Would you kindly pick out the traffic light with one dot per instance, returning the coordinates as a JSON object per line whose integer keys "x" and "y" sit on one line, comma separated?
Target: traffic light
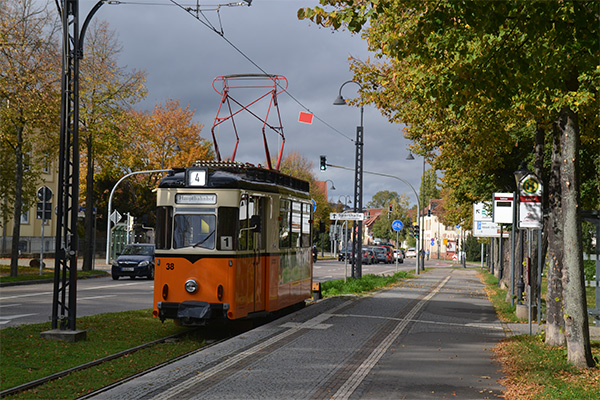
{"x": 323, "y": 163}
{"x": 391, "y": 207}
{"x": 416, "y": 231}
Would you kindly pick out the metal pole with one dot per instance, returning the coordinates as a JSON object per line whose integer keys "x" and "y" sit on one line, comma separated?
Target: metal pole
{"x": 512, "y": 256}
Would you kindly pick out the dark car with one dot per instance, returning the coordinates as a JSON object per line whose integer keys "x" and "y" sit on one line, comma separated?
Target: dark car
{"x": 368, "y": 256}
{"x": 135, "y": 260}
{"x": 381, "y": 254}
{"x": 344, "y": 254}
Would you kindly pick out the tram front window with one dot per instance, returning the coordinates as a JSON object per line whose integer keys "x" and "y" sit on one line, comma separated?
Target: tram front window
{"x": 194, "y": 230}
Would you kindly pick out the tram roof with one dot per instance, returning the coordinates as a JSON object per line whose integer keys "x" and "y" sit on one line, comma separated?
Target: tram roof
{"x": 237, "y": 175}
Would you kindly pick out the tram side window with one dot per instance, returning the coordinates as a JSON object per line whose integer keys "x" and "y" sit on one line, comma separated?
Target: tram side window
{"x": 296, "y": 223}
{"x": 164, "y": 220}
{"x": 306, "y": 240}
{"x": 246, "y": 211}
{"x": 228, "y": 225}
{"x": 196, "y": 230}
{"x": 284, "y": 224}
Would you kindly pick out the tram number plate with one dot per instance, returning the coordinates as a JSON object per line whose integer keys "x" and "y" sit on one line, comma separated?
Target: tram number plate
{"x": 127, "y": 269}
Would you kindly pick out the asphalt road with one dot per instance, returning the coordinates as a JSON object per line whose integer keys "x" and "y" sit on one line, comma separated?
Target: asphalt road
{"x": 27, "y": 304}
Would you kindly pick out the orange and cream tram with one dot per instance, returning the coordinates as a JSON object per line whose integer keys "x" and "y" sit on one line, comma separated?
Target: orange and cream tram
{"x": 232, "y": 241}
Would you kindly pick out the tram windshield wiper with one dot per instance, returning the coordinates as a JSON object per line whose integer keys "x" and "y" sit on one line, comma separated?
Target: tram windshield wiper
{"x": 200, "y": 243}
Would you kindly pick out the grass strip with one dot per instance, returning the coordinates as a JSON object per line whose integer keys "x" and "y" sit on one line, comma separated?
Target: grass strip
{"x": 25, "y": 356}
{"x": 535, "y": 371}
{"x": 366, "y": 284}
{"x": 33, "y": 274}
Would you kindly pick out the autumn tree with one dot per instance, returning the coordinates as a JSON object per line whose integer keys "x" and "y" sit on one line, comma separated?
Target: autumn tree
{"x": 383, "y": 199}
{"x": 106, "y": 91}
{"x": 483, "y": 86}
{"x": 164, "y": 138}
{"x": 29, "y": 105}
{"x": 382, "y": 228}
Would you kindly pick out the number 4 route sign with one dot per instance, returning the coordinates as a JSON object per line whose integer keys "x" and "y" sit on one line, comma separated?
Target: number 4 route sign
{"x": 397, "y": 225}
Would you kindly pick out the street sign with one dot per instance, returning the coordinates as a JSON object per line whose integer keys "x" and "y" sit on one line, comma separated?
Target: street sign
{"x": 433, "y": 241}
{"x": 43, "y": 210}
{"x": 115, "y": 217}
{"x": 483, "y": 225}
{"x": 530, "y": 212}
{"x": 530, "y": 186}
{"x": 347, "y": 216}
{"x": 530, "y": 202}
{"x": 397, "y": 225}
{"x": 44, "y": 193}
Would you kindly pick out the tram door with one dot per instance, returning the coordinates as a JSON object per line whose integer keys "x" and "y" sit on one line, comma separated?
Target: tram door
{"x": 260, "y": 256}
{"x": 252, "y": 238}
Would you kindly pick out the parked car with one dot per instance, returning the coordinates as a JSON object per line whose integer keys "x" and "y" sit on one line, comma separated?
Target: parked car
{"x": 368, "y": 256}
{"x": 399, "y": 255}
{"x": 389, "y": 252}
{"x": 135, "y": 260}
{"x": 380, "y": 254}
{"x": 411, "y": 252}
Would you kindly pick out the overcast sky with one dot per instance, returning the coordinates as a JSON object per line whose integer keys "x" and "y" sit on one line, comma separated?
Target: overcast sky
{"x": 182, "y": 56}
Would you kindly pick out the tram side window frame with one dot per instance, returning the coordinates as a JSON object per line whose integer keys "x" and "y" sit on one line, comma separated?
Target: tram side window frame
{"x": 164, "y": 227}
{"x": 306, "y": 226}
{"x": 284, "y": 223}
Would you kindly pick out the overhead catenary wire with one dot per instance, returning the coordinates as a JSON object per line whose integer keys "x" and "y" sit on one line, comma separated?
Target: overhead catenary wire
{"x": 198, "y": 13}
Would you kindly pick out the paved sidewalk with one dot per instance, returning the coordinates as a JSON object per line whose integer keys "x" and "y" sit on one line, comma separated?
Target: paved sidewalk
{"x": 429, "y": 338}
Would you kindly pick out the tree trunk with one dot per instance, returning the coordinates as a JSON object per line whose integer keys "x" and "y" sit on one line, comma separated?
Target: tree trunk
{"x": 576, "y": 320}
{"x": 555, "y": 323}
{"x": 88, "y": 243}
{"x": 18, "y": 210}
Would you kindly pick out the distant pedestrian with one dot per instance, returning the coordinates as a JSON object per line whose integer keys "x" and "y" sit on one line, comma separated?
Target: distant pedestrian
{"x": 427, "y": 254}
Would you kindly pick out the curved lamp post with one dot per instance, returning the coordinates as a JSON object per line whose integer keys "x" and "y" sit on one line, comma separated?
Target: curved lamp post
{"x": 358, "y": 185}
{"x": 108, "y": 227}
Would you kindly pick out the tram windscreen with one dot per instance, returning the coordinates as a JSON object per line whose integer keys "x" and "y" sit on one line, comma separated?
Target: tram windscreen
{"x": 194, "y": 230}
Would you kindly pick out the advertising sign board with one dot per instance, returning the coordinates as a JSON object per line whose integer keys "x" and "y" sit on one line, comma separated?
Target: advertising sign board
{"x": 483, "y": 224}
{"x": 502, "y": 211}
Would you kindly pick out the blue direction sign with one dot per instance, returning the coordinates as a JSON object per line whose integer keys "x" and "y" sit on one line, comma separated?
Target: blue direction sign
{"x": 397, "y": 225}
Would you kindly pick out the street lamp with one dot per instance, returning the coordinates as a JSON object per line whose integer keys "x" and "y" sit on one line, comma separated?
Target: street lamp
{"x": 421, "y": 223}
{"x": 108, "y": 227}
{"x": 347, "y": 200}
{"x": 358, "y": 184}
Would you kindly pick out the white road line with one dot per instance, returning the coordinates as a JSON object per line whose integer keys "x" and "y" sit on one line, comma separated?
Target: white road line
{"x": 8, "y": 318}
{"x": 79, "y": 289}
{"x": 97, "y": 297}
{"x": 9, "y": 305}
{"x": 363, "y": 370}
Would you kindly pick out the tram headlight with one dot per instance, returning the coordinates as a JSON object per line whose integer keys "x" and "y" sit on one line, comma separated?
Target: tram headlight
{"x": 191, "y": 286}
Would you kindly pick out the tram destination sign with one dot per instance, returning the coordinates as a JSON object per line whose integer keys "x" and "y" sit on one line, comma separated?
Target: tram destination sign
{"x": 347, "y": 216}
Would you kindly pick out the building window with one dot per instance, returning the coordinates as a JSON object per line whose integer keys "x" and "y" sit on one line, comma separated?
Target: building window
{"x": 25, "y": 217}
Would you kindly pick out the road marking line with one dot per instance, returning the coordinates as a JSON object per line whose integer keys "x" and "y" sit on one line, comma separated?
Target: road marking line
{"x": 346, "y": 390}
{"x": 97, "y": 297}
{"x": 11, "y": 317}
{"x": 483, "y": 325}
{"x": 9, "y": 305}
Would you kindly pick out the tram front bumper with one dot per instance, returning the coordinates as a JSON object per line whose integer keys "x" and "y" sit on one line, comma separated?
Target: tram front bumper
{"x": 192, "y": 312}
